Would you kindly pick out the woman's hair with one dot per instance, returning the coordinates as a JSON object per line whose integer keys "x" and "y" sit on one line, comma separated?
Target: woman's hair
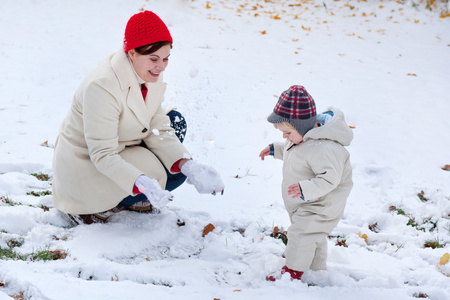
{"x": 283, "y": 125}
{"x": 151, "y": 48}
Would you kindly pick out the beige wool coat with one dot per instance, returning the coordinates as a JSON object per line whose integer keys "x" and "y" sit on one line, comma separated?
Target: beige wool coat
{"x": 97, "y": 156}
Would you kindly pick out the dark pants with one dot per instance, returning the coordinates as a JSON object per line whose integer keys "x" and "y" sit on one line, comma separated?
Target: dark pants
{"x": 178, "y": 123}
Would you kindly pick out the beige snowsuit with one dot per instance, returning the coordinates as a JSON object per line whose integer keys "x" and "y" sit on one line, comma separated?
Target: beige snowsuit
{"x": 321, "y": 165}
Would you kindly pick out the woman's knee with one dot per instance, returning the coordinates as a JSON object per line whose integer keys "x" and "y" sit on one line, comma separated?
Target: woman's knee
{"x": 178, "y": 123}
{"x": 147, "y": 162}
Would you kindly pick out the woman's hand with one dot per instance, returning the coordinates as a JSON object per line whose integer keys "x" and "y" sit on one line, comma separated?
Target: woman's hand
{"x": 265, "y": 152}
{"x": 154, "y": 193}
{"x": 204, "y": 178}
{"x": 295, "y": 191}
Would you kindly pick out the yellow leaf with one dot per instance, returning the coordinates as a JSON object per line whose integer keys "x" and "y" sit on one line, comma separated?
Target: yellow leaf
{"x": 208, "y": 6}
{"x": 416, "y": 21}
{"x": 444, "y": 259}
{"x": 276, "y": 17}
{"x": 295, "y": 40}
{"x": 363, "y": 236}
{"x": 263, "y": 32}
{"x": 306, "y": 28}
{"x": 411, "y": 74}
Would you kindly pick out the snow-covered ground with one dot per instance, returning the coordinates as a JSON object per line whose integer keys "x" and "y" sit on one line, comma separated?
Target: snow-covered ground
{"x": 384, "y": 63}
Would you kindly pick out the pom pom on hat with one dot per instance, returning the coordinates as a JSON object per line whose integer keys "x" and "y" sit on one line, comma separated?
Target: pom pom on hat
{"x": 145, "y": 28}
{"x": 296, "y": 107}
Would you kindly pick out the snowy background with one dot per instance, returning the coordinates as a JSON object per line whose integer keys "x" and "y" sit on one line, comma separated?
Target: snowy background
{"x": 384, "y": 63}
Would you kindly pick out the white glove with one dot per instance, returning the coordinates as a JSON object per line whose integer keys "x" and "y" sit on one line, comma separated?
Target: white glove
{"x": 205, "y": 179}
{"x": 154, "y": 193}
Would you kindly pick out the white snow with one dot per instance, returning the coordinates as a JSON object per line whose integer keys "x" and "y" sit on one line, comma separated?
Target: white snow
{"x": 384, "y": 63}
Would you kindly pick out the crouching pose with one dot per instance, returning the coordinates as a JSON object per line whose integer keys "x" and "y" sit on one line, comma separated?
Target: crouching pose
{"x": 117, "y": 148}
{"x": 317, "y": 176}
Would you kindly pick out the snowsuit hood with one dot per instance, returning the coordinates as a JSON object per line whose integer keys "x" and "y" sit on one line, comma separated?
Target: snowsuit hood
{"x": 335, "y": 129}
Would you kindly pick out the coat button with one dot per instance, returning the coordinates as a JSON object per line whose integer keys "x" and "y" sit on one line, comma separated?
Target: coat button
{"x": 144, "y": 130}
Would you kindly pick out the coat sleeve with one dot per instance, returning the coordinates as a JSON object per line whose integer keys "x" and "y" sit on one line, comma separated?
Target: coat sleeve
{"x": 163, "y": 142}
{"x": 278, "y": 150}
{"x": 101, "y": 112}
{"x": 327, "y": 164}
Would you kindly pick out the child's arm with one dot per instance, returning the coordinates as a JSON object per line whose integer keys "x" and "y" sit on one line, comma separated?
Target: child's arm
{"x": 275, "y": 150}
{"x": 328, "y": 165}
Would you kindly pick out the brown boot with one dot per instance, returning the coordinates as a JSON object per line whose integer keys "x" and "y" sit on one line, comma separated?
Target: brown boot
{"x": 101, "y": 217}
{"x": 141, "y": 207}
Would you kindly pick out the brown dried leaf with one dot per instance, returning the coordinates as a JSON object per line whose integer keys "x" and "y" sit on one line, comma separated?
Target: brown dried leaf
{"x": 59, "y": 254}
{"x": 208, "y": 228}
{"x": 446, "y": 168}
{"x": 392, "y": 208}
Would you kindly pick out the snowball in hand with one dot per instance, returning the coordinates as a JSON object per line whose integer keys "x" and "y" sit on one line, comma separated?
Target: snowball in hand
{"x": 205, "y": 179}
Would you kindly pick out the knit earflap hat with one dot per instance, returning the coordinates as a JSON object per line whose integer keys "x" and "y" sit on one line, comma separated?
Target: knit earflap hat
{"x": 145, "y": 28}
{"x": 296, "y": 107}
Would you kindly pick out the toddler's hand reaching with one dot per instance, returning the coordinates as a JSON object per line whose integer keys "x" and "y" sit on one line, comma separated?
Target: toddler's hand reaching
{"x": 265, "y": 152}
{"x": 295, "y": 191}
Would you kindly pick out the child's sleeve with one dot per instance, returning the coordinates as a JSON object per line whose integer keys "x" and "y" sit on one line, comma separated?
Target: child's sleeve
{"x": 328, "y": 167}
{"x": 278, "y": 150}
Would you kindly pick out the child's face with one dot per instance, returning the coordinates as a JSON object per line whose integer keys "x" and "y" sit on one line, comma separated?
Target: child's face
{"x": 292, "y": 135}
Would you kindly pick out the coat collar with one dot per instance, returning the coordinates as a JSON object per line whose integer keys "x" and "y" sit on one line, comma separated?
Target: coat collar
{"x": 128, "y": 80}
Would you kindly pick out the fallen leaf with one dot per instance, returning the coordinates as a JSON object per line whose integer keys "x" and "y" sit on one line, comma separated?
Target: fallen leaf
{"x": 352, "y": 127}
{"x": 276, "y": 17}
{"x": 208, "y": 228}
{"x": 237, "y": 290}
{"x": 263, "y": 32}
{"x": 444, "y": 259}
{"x": 2, "y": 284}
{"x": 363, "y": 236}
{"x": 446, "y": 168}
{"x": 208, "y": 6}
{"x": 59, "y": 254}
{"x": 411, "y": 74}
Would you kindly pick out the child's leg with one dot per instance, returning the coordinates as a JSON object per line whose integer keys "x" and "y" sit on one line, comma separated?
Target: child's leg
{"x": 301, "y": 250}
{"x": 320, "y": 258}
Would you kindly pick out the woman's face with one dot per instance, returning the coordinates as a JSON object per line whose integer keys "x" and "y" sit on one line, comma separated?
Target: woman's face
{"x": 149, "y": 66}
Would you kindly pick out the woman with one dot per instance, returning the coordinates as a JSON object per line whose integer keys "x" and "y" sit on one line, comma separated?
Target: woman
{"x": 116, "y": 149}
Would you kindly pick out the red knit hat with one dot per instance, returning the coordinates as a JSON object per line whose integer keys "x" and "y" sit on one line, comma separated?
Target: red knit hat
{"x": 145, "y": 28}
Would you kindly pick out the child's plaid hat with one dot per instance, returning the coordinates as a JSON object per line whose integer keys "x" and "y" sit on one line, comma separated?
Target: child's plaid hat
{"x": 296, "y": 107}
